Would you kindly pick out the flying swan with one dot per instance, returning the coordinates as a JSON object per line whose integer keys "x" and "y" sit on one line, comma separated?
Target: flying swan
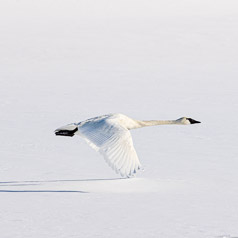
{"x": 110, "y": 135}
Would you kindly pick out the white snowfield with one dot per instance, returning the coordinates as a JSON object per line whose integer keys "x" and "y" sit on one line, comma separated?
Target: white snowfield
{"x": 66, "y": 61}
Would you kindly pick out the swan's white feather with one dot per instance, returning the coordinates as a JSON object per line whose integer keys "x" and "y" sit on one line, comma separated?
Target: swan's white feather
{"x": 109, "y": 135}
{"x": 113, "y": 141}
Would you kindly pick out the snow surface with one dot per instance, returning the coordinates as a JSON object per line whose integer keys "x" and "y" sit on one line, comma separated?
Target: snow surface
{"x": 66, "y": 61}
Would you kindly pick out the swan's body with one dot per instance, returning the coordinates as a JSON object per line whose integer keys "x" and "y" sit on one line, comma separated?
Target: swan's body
{"x": 110, "y": 135}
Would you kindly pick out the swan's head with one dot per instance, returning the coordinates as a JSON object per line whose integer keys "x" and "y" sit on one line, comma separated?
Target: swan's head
{"x": 187, "y": 121}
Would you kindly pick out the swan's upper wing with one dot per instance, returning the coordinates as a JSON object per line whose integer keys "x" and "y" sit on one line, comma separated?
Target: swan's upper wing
{"x": 114, "y": 142}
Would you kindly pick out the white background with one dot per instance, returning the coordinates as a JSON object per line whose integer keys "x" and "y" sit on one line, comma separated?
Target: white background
{"x": 66, "y": 61}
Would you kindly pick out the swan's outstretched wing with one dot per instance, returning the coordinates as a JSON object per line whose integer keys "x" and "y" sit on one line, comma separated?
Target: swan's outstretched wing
{"x": 114, "y": 142}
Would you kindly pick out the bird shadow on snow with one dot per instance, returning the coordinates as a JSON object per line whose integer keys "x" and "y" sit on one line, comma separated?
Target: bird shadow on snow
{"x": 41, "y": 191}
{"x": 39, "y": 183}
{"x": 101, "y": 185}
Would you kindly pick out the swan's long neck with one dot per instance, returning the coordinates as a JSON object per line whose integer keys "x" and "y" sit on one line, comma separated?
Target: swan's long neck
{"x": 156, "y": 123}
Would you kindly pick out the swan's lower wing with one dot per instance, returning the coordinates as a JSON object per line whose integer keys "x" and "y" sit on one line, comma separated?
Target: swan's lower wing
{"x": 114, "y": 143}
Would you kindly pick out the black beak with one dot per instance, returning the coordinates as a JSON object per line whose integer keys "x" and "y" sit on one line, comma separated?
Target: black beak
{"x": 192, "y": 121}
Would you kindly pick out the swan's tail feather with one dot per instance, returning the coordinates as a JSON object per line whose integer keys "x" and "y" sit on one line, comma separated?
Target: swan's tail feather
{"x": 68, "y": 130}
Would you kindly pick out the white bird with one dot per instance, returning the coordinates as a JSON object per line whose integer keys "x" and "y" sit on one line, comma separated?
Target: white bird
{"x": 110, "y": 135}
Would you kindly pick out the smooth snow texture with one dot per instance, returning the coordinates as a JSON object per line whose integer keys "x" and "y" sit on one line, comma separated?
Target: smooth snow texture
{"x": 65, "y": 61}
